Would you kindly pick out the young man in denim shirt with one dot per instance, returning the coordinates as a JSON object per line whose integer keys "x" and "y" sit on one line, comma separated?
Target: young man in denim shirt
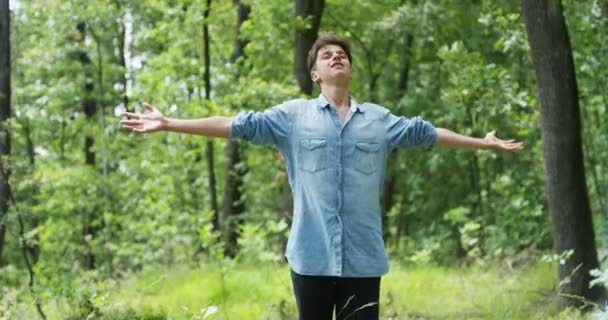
{"x": 335, "y": 150}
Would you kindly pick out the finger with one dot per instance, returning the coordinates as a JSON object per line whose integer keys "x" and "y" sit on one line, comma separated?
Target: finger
{"x": 130, "y": 127}
{"x": 509, "y": 142}
{"x": 515, "y": 147}
{"x": 131, "y": 122}
{"x": 510, "y": 146}
{"x": 514, "y": 144}
{"x": 131, "y": 115}
{"x": 148, "y": 107}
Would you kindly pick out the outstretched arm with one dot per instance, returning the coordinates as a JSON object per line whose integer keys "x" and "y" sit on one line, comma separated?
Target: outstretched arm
{"x": 153, "y": 121}
{"x": 450, "y": 139}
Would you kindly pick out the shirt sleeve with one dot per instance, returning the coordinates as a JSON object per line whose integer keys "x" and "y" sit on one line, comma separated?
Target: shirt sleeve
{"x": 271, "y": 127}
{"x": 410, "y": 133}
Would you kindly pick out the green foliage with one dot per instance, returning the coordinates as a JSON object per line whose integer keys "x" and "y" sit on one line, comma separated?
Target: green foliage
{"x": 468, "y": 70}
{"x": 254, "y": 244}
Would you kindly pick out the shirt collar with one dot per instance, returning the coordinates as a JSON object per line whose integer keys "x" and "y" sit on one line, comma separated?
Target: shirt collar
{"x": 323, "y": 103}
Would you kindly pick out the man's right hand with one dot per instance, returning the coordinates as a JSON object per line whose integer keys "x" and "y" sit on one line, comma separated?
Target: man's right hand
{"x": 151, "y": 121}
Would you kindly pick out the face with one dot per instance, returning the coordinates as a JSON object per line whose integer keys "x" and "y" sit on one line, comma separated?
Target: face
{"x": 332, "y": 65}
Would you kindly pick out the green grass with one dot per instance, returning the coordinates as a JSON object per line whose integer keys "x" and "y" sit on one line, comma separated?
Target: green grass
{"x": 493, "y": 292}
{"x": 264, "y": 292}
{"x": 241, "y": 292}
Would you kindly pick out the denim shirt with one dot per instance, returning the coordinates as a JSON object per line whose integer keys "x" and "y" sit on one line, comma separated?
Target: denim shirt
{"x": 336, "y": 172}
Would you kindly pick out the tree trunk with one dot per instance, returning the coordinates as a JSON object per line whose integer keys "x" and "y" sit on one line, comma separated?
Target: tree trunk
{"x": 562, "y": 149}
{"x": 388, "y": 198}
{"x": 242, "y": 15}
{"x": 89, "y": 107}
{"x": 33, "y": 248}
{"x": 99, "y": 100}
{"x": 122, "y": 35}
{"x": 474, "y": 174}
{"x": 5, "y": 112}
{"x": 233, "y": 205}
{"x": 305, "y": 38}
{"x": 121, "y": 57}
{"x": 210, "y": 148}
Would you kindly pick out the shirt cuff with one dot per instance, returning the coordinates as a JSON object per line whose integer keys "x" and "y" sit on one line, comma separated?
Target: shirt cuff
{"x": 236, "y": 128}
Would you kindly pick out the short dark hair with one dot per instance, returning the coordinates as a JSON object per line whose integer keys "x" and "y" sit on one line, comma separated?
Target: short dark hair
{"x": 327, "y": 38}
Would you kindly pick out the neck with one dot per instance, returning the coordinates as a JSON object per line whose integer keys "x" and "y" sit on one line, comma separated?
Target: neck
{"x": 337, "y": 96}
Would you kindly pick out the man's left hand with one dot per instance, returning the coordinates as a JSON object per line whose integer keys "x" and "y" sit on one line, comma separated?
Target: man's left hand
{"x": 496, "y": 144}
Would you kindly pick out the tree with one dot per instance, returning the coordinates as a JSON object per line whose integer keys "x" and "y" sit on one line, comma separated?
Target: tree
{"x": 5, "y": 112}
{"x": 121, "y": 55}
{"x": 562, "y": 148}
{"x": 89, "y": 230}
{"x": 233, "y": 205}
{"x": 305, "y": 37}
{"x": 210, "y": 148}
{"x": 400, "y": 91}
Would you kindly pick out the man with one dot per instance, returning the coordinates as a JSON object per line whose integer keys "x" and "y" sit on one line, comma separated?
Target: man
{"x": 335, "y": 150}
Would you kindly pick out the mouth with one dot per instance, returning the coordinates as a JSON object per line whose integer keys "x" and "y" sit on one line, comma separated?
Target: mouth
{"x": 337, "y": 64}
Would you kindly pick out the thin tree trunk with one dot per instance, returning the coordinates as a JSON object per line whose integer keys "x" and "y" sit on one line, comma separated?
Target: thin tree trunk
{"x": 305, "y": 38}
{"x": 123, "y": 9}
{"x": 389, "y": 182}
{"x": 122, "y": 61}
{"x": 5, "y": 113}
{"x": 589, "y": 146}
{"x": 28, "y": 264}
{"x": 99, "y": 100}
{"x": 209, "y": 148}
{"x": 62, "y": 141}
{"x": 104, "y": 156}
{"x": 562, "y": 150}
{"x": 233, "y": 205}
{"x": 6, "y": 195}
{"x": 33, "y": 248}
{"x": 600, "y": 185}
{"x": 89, "y": 107}
{"x": 22, "y": 241}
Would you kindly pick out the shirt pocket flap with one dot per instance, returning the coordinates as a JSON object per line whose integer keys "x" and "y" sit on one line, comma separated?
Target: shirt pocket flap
{"x": 368, "y": 146}
{"x": 312, "y": 144}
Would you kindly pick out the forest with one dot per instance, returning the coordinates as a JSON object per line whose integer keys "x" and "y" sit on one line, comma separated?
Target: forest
{"x": 97, "y": 222}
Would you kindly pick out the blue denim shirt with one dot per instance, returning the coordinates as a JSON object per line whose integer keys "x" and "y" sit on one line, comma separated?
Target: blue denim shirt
{"x": 336, "y": 172}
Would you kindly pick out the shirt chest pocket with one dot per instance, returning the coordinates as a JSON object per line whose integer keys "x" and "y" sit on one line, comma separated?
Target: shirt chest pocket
{"x": 367, "y": 157}
{"x": 312, "y": 154}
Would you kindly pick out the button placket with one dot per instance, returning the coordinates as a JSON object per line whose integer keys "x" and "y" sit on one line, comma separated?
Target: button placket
{"x": 337, "y": 235}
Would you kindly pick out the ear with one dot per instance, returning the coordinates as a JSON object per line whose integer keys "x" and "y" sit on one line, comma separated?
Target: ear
{"x": 314, "y": 76}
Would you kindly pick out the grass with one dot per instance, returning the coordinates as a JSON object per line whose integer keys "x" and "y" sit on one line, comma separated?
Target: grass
{"x": 264, "y": 291}
{"x": 491, "y": 292}
{"x": 242, "y": 292}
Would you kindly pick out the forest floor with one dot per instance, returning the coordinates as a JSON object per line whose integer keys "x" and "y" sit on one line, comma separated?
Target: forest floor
{"x": 248, "y": 291}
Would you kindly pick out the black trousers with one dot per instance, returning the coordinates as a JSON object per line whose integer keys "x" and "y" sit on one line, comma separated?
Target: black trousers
{"x": 352, "y": 298}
